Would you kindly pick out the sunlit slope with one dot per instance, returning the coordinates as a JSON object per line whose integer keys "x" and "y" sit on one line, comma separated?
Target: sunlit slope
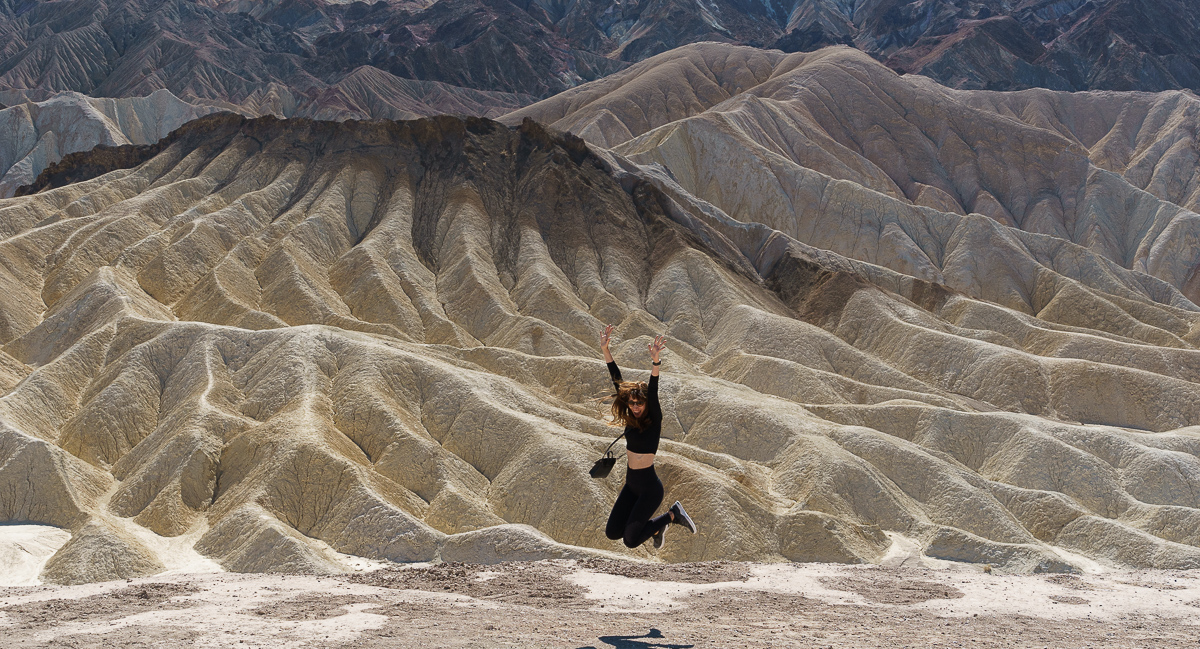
{"x": 1148, "y": 138}
{"x": 1112, "y": 172}
{"x": 277, "y": 341}
{"x": 39, "y": 134}
{"x": 671, "y": 86}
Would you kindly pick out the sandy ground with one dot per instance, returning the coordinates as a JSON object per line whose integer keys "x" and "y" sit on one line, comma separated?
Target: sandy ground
{"x": 603, "y": 604}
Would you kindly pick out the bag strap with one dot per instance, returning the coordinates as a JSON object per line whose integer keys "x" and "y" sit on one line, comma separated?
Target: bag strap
{"x": 609, "y": 449}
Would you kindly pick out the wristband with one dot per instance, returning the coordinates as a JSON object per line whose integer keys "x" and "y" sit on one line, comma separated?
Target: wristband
{"x": 656, "y": 363}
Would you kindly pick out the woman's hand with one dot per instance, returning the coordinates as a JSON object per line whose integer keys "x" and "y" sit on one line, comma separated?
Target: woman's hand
{"x": 604, "y": 340}
{"x": 656, "y": 347}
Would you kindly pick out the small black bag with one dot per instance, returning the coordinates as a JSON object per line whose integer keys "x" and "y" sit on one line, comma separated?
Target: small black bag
{"x": 604, "y": 465}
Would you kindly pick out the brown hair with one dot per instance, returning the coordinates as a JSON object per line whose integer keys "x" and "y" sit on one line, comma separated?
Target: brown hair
{"x": 622, "y": 415}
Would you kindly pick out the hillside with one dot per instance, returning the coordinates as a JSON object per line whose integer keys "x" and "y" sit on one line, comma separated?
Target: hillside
{"x": 823, "y": 145}
{"x": 273, "y": 343}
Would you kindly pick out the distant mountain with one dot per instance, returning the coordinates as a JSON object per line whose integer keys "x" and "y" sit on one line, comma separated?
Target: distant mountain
{"x": 118, "y": 48}
{"x": 1057, "y": 44}
{"x": 37, "y": 135}
{"x": 231, "y": 50}
{"x": 484, "y": 44}
{"x": 804, "y": 143}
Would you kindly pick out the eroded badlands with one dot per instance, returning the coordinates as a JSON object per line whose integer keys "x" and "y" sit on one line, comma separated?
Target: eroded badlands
{"x": 275, "y": 345}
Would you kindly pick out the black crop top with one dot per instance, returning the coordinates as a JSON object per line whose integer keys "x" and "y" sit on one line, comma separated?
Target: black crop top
{"x": 645, "y": 439}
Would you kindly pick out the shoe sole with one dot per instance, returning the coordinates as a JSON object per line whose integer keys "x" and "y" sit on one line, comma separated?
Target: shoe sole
{"x": 687, "y": 520}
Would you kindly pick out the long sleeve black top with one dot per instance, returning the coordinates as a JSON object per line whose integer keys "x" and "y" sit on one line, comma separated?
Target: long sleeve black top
{"x": 644, "y": 439}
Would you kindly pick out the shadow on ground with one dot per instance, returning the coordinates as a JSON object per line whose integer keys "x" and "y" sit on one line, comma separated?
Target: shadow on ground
{"x": 638, "y": 641}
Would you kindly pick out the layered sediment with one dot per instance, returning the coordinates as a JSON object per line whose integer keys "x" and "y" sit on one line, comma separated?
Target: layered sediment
{"x": 279, "y": 342}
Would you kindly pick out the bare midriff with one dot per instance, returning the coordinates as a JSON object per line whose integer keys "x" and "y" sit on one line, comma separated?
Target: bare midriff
{"x": 640, "y": 460}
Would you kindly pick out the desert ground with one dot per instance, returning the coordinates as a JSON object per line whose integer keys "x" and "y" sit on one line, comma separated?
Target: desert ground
{"x": 602, "y": 603}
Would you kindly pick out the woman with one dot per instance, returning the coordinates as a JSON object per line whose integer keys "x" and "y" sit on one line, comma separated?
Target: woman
{"x": 636, "y": 406}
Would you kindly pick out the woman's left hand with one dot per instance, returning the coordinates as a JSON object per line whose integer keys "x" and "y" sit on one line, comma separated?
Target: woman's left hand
{"x": 656, "y": 347}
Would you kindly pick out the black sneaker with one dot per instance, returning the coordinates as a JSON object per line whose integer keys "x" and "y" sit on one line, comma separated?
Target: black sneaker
{"x": 658, "y": 537}
{"x": 681, "y": 517}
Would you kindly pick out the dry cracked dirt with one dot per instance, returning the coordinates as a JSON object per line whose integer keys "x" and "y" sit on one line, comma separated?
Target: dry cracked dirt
{"x": 605, "y": 603}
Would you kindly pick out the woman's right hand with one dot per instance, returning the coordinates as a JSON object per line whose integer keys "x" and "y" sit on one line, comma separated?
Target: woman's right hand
{"x": 605, "y": 337}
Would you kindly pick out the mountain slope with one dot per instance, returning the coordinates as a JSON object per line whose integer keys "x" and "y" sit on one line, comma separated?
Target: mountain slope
{"x": 901, "y": 146}
{"x": 275, "y": 341}
{"x": 39, "y": 134}
{"x": 231, "y": 50}
{"x": 120, "y": 48}
{"x": 1071, "y": 45}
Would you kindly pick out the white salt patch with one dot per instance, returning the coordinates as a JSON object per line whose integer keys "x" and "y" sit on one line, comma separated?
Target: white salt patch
{"x": 1107, "y": 596}
{"x": 627, "y": 594}
{"x": 177, "y": 553}
{"x": 621, "y": 594}
{"x": 1085, "y": 564}
{"x": 362, "y": 564}
{"x": 906, "y": 552}
{"x": 1097, "y": 597}
{"x": 24, "y": 551}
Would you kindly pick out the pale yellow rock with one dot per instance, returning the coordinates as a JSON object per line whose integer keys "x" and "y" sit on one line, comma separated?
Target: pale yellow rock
{"x": 40, "y": 483}
{"x": 956, "y": 545}
{"x": 39, "y": 134}
{"x": 510, "y": 543}
{"x": 1037, "y": 161}
{"x": 100, "y": 552}
{"x": 11, "y": 372}
{"x": 294, "y": 341}
{"x": 693, "y": 84}
{"x": 813, "y": 536}
{"x": 251, "y": 540}
{"x": 1146, "y": 137}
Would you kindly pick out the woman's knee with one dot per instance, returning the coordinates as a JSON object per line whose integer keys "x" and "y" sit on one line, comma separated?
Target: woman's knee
{"x": 612, "y": 534}
{"x": 630, "y": 539}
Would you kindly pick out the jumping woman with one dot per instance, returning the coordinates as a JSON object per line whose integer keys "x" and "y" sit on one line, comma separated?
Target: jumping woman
{"x": 636, "y": 406}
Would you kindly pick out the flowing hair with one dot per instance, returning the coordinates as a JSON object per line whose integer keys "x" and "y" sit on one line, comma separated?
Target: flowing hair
{"x": 622, "y": 415}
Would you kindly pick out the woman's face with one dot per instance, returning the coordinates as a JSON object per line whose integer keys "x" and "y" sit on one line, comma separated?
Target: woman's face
{"x": 637, "y": 407}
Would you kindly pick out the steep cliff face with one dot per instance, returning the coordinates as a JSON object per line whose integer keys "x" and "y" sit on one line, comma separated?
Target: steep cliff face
{"x": 279, "y": 340}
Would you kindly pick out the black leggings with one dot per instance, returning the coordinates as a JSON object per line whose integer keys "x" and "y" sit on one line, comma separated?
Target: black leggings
{"x": 630, "y": 518}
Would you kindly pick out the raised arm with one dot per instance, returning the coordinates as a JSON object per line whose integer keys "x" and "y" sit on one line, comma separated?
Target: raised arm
{"x": 604, "y": 338}
{"x": 613, "y": 370}
{"x": 656, "y": 348}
